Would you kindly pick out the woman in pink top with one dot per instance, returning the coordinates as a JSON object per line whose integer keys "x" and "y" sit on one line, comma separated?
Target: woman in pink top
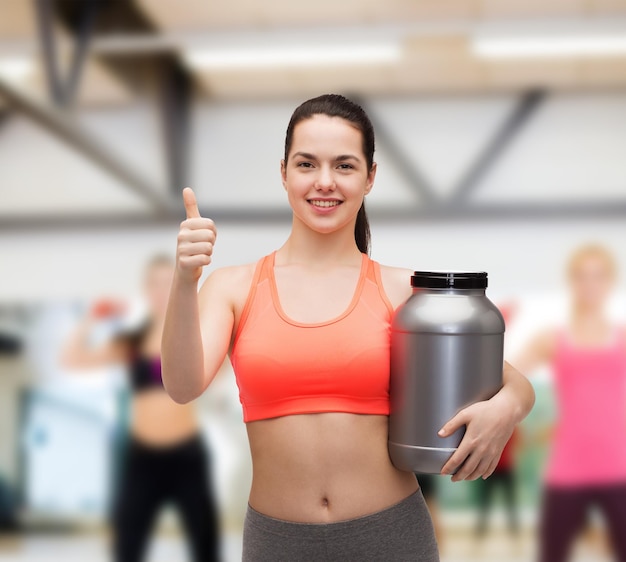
{"x": 587, "y": 464}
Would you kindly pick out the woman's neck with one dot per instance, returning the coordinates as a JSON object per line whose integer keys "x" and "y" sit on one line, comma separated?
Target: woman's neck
{"x": 307, "y": 246}
{"x": 584, "y": 317}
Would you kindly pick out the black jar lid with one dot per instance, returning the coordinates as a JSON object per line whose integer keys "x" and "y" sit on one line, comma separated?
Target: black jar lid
{"x": 449, "y": 280}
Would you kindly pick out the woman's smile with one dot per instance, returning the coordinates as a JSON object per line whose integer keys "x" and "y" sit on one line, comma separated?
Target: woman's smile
{"x": 324, "y": 206}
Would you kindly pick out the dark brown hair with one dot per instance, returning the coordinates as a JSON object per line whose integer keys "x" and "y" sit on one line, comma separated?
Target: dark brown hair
{"x": 335, "y": 105}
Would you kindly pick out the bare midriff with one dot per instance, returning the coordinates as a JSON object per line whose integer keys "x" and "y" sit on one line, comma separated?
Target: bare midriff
{"x": 321, "y": 468}
{"x": 159, "y": 421}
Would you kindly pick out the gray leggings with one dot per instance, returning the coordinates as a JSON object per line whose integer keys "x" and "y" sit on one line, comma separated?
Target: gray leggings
{"x": 400, "y": 533}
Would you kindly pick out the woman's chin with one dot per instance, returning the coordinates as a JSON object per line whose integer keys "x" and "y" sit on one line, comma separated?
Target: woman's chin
{"x": 326, "y": 226}
{"x": 329, "y": 223}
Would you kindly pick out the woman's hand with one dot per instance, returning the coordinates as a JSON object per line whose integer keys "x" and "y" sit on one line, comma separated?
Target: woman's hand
{"x": 196, "y": 239}
{"x": 489, "y": 426}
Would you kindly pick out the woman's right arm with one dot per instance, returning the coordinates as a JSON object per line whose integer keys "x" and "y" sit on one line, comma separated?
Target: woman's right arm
{"x": 198, "y": 326}
{"x": 537, "y": 352}
{"x": 78, "y": 353}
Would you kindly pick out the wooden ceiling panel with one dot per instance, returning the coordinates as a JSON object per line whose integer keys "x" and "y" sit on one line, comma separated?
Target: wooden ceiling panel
{"x": 247, "y": 84}
{"x": 97, "y": 87}
{"x": 432, "y": 75}
{"x": 101, "y": 87}
{"x": 17, "y": 20}
{"x": 286, "y": 83}
{"x": 423, "y": 10}
{"x": 437, "y": 58}
{"x": 181, "y": 15}
{"x": 603, "y": 73}
{"x": 530, "y": 74}
{"x": 437, "y": 47}
{"x": 606, "y": 7}
{"x": 418, "y": 77}
{"x": 373, "y": 79}
{"x": 199, "y": 14}
{"x": 533, "y": 8}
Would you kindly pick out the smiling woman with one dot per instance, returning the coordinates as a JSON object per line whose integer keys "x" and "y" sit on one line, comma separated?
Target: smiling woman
{"x": 328, "y": 131}
{"x": 308, "y": 332}
{"x": 327, "y": 182}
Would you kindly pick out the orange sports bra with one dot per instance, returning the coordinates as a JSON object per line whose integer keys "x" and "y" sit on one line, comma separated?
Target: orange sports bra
{"x": 283, "y": 367}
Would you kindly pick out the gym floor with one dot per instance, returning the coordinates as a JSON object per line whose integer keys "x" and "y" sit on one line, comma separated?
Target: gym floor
{"x": 459, "y": 545}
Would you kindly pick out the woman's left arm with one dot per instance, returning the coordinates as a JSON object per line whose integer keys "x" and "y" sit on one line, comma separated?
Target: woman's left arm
{"x": 489, "y": 426}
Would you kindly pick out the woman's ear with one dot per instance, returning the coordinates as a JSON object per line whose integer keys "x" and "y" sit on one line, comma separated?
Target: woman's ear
{"x": 371, "y": 176}
{"x": 283, "y": 173}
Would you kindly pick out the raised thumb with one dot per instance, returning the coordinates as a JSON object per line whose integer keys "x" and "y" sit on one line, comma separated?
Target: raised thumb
{"x": 191, "y": 205}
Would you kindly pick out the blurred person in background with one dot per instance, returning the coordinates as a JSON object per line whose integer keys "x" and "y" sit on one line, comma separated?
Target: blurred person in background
{"x": 165, "y": 459}
{"x": 428, "y": 487}
{"x": 308, "y": 331}
{"x": 587, "y": 463}
{"x": 503, "y": 477}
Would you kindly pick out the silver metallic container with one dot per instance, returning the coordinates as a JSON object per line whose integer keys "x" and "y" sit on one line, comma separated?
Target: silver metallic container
{"x": 446, "y": 353}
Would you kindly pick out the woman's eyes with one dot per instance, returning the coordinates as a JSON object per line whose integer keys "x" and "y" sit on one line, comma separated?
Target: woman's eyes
{"x": 310, "y": 165}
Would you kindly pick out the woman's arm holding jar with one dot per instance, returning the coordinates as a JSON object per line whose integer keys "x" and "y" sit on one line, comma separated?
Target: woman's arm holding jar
{"x": 489, "y": 426}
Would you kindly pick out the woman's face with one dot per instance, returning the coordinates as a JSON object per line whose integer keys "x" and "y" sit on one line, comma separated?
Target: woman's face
{"x": 157, "y": 288}
{"x": 591, "y": 282}
{"x": 326, "y": 175}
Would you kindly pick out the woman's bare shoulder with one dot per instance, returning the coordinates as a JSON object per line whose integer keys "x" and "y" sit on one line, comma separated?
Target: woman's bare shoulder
{"x": 539, "y": 349}
{"x": 397, "y": 283}
{"x": 230, "y": 280}
{"x": 234, "y": 273}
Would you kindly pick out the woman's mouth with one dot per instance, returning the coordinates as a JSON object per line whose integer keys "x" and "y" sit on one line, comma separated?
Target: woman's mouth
{"x": 325, "y": 203}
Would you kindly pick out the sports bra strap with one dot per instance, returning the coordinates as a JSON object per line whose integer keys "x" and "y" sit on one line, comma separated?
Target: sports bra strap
{"x": 260, "y": 273}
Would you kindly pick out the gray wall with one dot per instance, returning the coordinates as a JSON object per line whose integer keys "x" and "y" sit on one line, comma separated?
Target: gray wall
{"x": 571, "y": 149}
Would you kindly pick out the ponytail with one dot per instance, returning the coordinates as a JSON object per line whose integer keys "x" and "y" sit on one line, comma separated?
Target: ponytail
{"x": 362, "y": 234}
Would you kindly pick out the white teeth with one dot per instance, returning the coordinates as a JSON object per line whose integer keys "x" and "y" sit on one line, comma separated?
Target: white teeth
{"x": 324, "y": 203}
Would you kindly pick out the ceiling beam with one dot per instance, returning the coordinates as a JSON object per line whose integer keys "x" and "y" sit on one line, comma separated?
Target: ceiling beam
{"x": 63, "y": 91}
{"x": 157, "y": 75}
{"x": 499, "y": 142}
{"x": 64, "y": 127}
{"x": 405, "y": 165}
{"x": 44, "y": 13}
{"x": 139, "y": 69}
{"x": 83, "y": 38}
{"x": 176, "y": 93}
{"x": 4, "y": 117}
{"x": 529, "y": 212}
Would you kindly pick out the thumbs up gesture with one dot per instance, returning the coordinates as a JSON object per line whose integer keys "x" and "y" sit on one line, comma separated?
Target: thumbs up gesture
{"x": 196, "y": 239}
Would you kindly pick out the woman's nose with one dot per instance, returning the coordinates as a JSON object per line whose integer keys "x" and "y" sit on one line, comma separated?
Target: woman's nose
{"x": 325, "y": 181}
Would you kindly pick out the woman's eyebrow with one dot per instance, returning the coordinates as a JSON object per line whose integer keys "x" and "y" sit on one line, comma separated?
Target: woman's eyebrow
{"x": 306, "y": 155}
{"x": 344, "y": 157}
{"x": 340, "y": 158}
